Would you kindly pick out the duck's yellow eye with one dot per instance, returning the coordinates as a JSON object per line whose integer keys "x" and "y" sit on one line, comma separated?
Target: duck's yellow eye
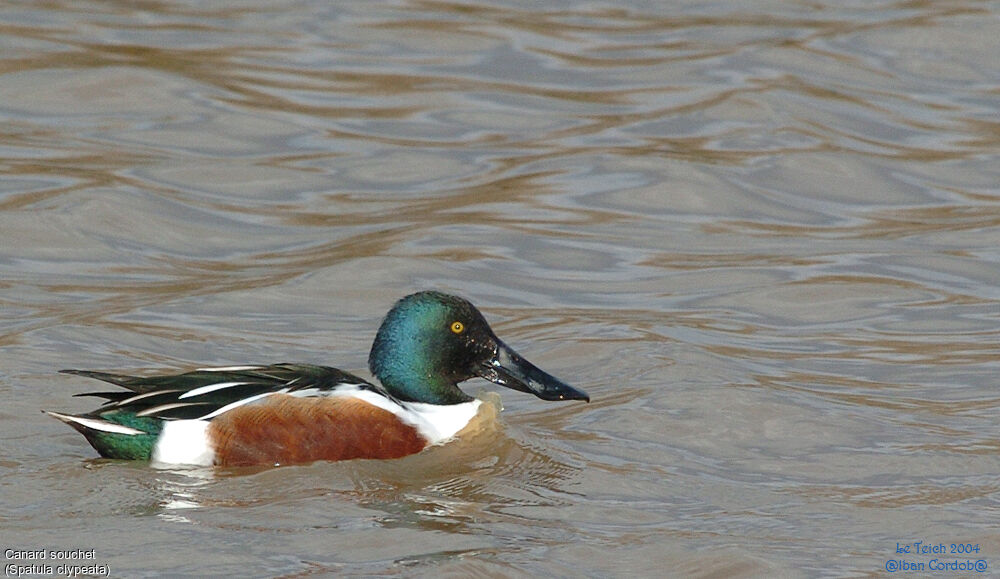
{"x": 457, "y": 327}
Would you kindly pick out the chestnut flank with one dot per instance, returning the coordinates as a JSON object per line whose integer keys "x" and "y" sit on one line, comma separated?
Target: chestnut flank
{"x": 283, "y": 429}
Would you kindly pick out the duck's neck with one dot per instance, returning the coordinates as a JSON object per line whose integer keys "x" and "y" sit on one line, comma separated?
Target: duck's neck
{"x": 411, "y": 380}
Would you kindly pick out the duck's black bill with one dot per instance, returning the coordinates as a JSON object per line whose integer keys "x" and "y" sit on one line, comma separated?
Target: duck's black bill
{"x": 508, "y": 368}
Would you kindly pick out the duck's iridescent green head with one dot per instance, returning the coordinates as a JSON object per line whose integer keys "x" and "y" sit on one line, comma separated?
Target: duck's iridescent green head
{"x": 431, "y": 341}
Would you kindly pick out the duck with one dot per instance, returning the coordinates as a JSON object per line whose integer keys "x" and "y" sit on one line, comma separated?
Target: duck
{"x": 281, "y": 414}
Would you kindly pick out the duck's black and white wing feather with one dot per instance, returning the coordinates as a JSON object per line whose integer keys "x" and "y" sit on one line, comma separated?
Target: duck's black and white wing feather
{"x": 208, "y": 392}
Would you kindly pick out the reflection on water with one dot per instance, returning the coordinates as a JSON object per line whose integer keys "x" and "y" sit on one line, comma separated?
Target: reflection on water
{"x": 762, "y": 237}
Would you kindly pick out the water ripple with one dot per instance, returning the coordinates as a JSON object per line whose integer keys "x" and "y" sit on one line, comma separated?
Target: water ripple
{"x": 762, "y": 237}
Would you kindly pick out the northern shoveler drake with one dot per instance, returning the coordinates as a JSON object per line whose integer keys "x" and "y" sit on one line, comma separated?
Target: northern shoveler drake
{"x": 296, "y": 413}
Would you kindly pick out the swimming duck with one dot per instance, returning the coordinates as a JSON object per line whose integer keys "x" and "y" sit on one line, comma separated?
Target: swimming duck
{"x": 297, "y": 413}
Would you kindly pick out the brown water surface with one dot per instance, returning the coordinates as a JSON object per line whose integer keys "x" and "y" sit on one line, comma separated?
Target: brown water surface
{"x": 765, "y": 237}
